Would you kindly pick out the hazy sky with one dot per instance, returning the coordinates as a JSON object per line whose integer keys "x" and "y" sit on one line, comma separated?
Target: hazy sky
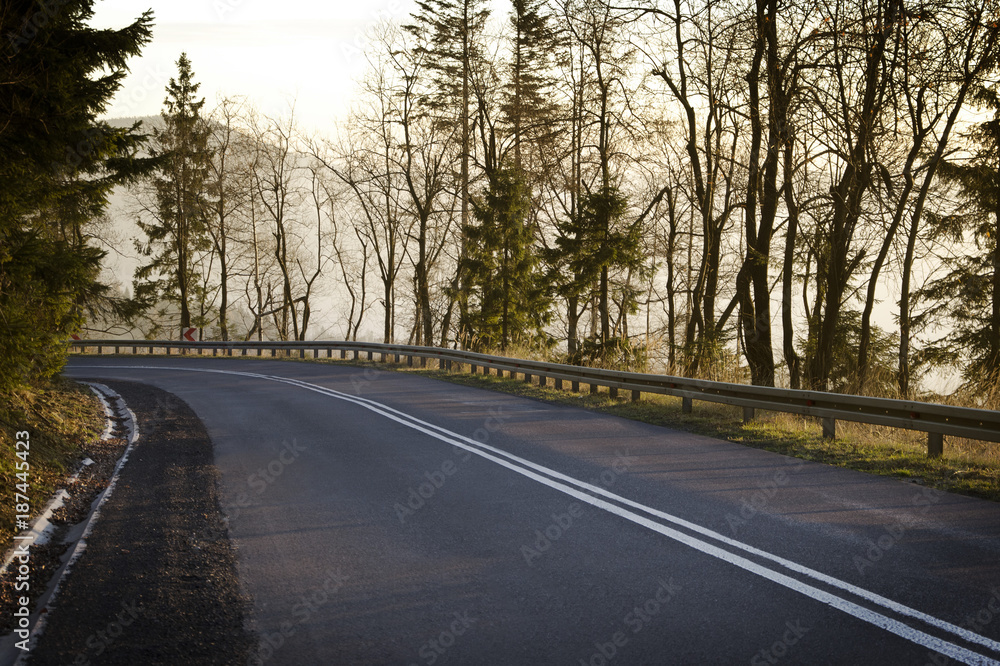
{"x": 271, "y": 51}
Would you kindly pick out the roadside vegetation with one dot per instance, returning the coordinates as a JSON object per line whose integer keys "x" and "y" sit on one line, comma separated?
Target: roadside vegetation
{"x": 59, "y": 416}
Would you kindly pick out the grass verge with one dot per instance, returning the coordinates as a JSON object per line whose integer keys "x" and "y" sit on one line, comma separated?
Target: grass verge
{"x": 58, "y": 416}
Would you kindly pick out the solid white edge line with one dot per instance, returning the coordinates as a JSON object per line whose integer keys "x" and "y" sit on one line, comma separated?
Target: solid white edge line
{"x": 872, "y": 617}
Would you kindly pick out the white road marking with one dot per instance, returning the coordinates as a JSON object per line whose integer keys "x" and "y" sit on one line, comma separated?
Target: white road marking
{"x": 555, "y": 480}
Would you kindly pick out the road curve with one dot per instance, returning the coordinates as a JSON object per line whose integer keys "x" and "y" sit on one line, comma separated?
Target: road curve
{"x": 383, "y": 518}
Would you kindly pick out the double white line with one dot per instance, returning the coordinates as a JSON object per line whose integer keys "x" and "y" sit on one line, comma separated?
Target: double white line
{"x": 777, "y": 570}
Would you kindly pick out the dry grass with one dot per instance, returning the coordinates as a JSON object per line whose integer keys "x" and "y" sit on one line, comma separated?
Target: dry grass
{"x": 59, "y": 416}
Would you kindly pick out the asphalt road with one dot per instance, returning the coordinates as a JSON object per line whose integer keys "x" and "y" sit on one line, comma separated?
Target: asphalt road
{"x": 380, "y": 518}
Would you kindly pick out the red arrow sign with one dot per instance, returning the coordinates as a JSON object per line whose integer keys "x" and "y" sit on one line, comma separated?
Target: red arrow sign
{"x": 189, "y": 334}
{"x": 75, "y": 336}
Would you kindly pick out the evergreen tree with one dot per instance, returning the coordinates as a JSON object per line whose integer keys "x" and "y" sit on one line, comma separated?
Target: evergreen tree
{"x": 508, "y": 297}
{"x": 177, "y": 233}
{"x": 58, "y": 164}
{"x": 590, "y": 248}
{"x": 528, "y": 106}
{"x": 969, "y": 294}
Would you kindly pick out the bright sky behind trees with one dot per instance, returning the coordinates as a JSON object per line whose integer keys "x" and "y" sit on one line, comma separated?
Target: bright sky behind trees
{"x": 309, "y": 51}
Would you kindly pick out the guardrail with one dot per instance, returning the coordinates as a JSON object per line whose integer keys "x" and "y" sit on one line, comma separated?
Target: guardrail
{"x": 934, "y": 419}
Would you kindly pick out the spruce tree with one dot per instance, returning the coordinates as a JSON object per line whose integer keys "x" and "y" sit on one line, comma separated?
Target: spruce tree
{"x": 58, "y": 164}
{"x": 177, "y": 234}
{"x": 527, "y": 104}
{"x": 509, "y": 302}
{"x": 593, "y": 245}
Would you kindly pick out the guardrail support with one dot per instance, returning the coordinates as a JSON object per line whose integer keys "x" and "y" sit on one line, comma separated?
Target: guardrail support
{"x": 594, "y": 388}
{"x": 686, "y": 405}
{"x": 527, "y": 378}
{"x": 935, "y": 445}
{"x": 829, "y": 428}
{"x": 636, "y": 395}
{"x": 613, "y": 391}
{"x": 574, "y": 387}
{"x": 748, "y": 414}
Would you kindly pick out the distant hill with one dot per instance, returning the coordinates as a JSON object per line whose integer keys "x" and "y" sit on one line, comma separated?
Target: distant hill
{"x": 148, "y": 122}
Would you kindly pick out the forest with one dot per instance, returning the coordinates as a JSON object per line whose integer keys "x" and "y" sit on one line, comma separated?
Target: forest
{"x": 802, "y": 194}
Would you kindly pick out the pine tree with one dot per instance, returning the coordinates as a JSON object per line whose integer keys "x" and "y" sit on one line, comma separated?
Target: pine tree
{"x": 177, "y": 232}
{"x": 509, "y": 302}
{"x": 58, "y": 164}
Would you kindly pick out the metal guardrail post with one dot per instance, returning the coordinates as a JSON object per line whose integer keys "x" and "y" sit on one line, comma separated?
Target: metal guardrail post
{"x": 935, "y": 445}
{"x": 748, "y": 414}
{"x": 636, "y": 395}
{"x": 575, "y": 386}
{"x": 593, "y": 388}
{"x": 687, "y": 405}
{"x": 829, "y": 427}
{"x": 613, "y": 391}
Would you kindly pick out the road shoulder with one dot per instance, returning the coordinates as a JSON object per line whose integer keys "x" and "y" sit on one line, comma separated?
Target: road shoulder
{"x": 157, "y": 583}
